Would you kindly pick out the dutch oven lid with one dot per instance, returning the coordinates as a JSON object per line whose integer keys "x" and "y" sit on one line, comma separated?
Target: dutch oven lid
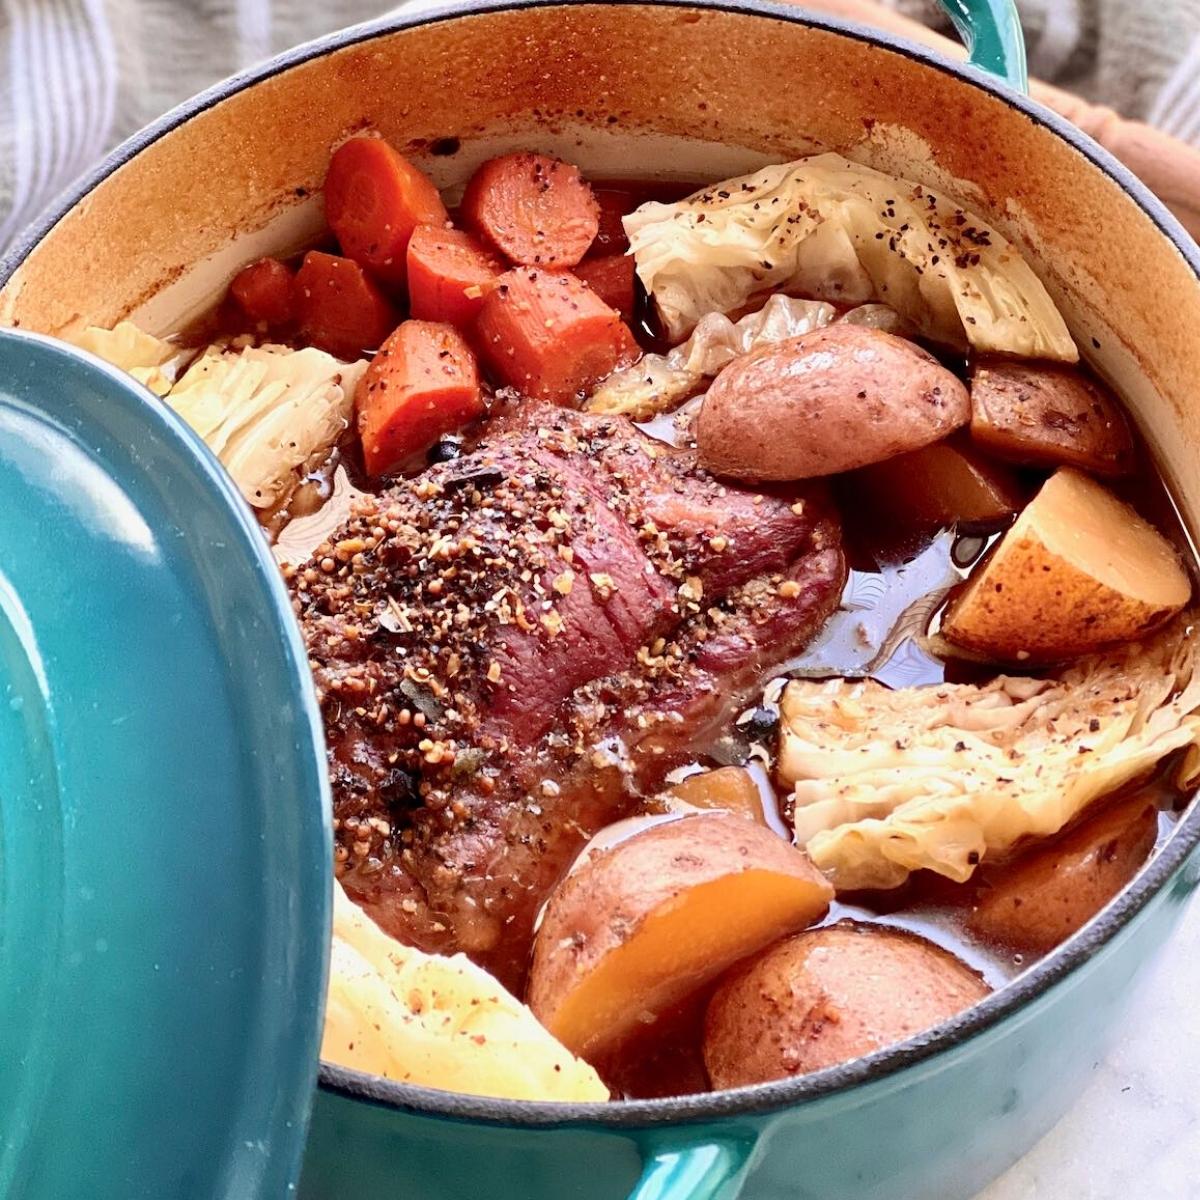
{"x": 164, "y": 838}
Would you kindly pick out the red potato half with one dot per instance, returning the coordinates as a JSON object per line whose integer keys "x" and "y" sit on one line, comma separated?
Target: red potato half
{"x": 826, "y": 402}
{"x": 829, "y": 995}
{"x": 1047, "y": 414}
{"x": 1046, "y": 895}
{"x": 636, "y": 929}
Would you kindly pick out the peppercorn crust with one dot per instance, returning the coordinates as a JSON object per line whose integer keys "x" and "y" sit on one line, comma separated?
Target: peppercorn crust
{"x": 511, "y": 647}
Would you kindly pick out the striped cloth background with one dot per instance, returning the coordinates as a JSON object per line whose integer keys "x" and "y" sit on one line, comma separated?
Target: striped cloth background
{"x": 80, "y": 75}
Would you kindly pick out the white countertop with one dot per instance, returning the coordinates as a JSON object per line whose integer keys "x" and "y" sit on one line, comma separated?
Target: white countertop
{"x": 1134, "y": 1133}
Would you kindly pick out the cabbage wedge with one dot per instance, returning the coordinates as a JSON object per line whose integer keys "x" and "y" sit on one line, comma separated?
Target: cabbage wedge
{"x": 267, "y": 411}
{"x": 440, "y": 1022}
{"x": 831, "y": 229}
{"x": 887, "y": 782}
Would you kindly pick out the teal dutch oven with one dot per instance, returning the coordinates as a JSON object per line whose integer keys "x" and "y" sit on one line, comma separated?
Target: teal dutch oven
{"x": 201, "y": 1089}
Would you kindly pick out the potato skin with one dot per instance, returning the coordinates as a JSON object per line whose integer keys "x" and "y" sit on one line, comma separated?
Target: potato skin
{"x": 1041, "y": 898}
{"x": 1061, "y": 614}
{"x": 826, "y": 402}
{"x": 1045, "y": 414}
{"x": 829, "y": 995}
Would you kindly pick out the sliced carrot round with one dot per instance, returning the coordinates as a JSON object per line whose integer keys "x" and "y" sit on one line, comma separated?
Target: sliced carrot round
{"x": 424, "y": 382}
{"x": 339, "y": 308}
{"x": 264, "y": 291}
{"x": 536, "y": 210}
{"x": 374, "y": 199}
{"x": 449, "y": 273}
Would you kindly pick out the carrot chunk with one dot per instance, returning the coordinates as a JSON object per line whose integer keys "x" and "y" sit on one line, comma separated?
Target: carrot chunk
{"x": 374, "y": 199}
{"x": 449, "y": 273}
{"x": 549, "y": 335}
{"x": 339, "y": 308}
{"x": 611, "y": 278}
{"x": 537, "y": 211}
{"x": 423, "y": 383}
{"x": 264, "y": 291}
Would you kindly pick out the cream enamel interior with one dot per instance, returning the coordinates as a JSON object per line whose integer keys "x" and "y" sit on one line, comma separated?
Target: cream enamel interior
{"x": 627, "y": 90}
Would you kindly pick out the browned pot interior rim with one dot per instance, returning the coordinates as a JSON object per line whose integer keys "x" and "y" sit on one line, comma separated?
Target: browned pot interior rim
{"x": 876, "y": 1068}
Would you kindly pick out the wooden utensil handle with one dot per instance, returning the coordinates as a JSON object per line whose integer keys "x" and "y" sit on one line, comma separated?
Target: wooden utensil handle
{"x": 1169, "y": 167}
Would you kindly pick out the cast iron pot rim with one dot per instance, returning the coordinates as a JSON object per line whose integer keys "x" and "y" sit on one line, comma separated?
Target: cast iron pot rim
{"x": 768, "y": 1097}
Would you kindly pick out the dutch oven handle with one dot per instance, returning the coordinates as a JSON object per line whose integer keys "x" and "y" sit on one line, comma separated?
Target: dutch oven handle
{"x": 991, "y": 31}
{"x": 709, "y": 1170}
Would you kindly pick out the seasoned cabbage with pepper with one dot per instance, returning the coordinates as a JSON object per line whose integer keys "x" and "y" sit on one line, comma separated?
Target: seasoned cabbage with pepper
{"x": 886, "y": 782}
{"x": 832, "y": 229}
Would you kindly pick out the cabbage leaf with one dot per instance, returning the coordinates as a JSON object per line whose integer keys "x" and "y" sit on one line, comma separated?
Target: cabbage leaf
{"x": 887, "y": 782}
{"x": 152, "y": 361}
{"x": 439, "y": 1022}
{"x": 658, "y": 382}
{"x": 266, "y": 411}
{"x": 834, "y": 230}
